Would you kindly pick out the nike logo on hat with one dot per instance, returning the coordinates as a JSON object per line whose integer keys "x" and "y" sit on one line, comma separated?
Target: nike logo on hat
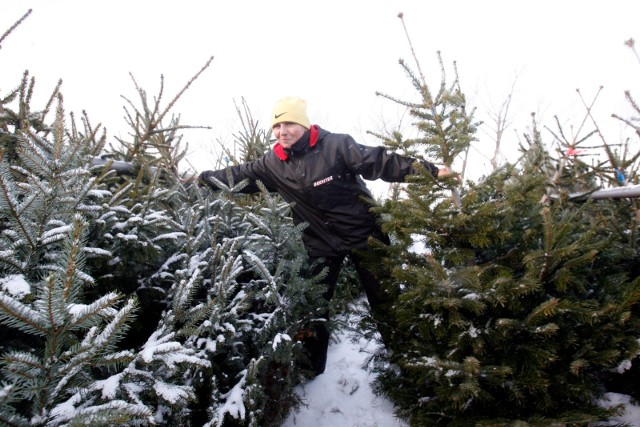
{"x": 278, "y": 115}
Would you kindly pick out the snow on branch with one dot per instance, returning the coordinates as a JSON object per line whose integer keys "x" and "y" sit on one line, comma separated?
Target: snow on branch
{"x": 114, "y": 410}
{"x": 160, "y": 348}
{"x": 234, "y": 404}
{"x": 81, "y": 313}
{"x": 14, "y": 314}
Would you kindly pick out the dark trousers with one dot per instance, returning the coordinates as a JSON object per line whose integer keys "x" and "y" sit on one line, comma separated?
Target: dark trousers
{"x": 317, "y": 346}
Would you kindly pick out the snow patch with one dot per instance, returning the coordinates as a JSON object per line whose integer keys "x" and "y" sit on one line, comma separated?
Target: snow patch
{"x": 234, "y": 404}
{"x": 631, "y": 414}
{"x": 279, "y": 338}
{"x": 110, "y": 386}
{"x": 624, "y": 366}
{"x": 170, "y": 392}
{"x": 15, "y": 285}
{"x": 342, "y": 396}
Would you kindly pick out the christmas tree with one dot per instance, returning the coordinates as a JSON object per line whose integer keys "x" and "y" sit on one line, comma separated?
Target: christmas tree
{"x": 514, "y": 304}
{"x": 127, "y": 297}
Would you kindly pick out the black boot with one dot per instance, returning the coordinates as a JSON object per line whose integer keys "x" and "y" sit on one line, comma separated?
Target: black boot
{"x": 315, "y": 345}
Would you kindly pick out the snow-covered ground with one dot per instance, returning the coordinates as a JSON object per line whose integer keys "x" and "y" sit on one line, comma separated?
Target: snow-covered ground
{"x": 342, "y": 396}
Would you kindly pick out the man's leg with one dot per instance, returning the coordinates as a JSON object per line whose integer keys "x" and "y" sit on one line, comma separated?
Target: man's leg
{"x": 378, "y": 301}
{"x": 317, "y": 345}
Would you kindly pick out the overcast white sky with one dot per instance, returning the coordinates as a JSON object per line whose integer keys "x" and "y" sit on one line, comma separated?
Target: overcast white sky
{"x": 336, "y": 54}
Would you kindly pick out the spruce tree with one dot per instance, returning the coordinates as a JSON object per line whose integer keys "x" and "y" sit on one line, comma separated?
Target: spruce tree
{"x": 254, "y": 316}
{"x": 130, "y": 298}
{"x": 521, "y": 302}
{"x": 64, "y": 335}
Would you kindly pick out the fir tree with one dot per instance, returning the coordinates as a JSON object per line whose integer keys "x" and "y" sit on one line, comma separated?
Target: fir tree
{"x": 258, "y": 297}
{"x": 217, "y": 285}
{"x": 521, "y": 303}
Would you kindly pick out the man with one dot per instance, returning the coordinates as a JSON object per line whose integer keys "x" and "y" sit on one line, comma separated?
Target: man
{"x": 320, "y": 172}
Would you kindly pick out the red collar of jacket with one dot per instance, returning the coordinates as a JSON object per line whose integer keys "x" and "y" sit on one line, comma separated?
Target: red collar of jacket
{"x": 313, "y": 138}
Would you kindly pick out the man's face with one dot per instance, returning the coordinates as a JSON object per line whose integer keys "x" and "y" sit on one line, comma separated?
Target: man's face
{"x": 288, "y": 133}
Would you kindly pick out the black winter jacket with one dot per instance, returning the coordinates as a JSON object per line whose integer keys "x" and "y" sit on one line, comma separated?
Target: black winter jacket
{"x": 321, "y": 175}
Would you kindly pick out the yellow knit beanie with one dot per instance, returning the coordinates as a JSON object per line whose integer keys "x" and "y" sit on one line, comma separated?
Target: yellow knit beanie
{"x": 290, "y": 109}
